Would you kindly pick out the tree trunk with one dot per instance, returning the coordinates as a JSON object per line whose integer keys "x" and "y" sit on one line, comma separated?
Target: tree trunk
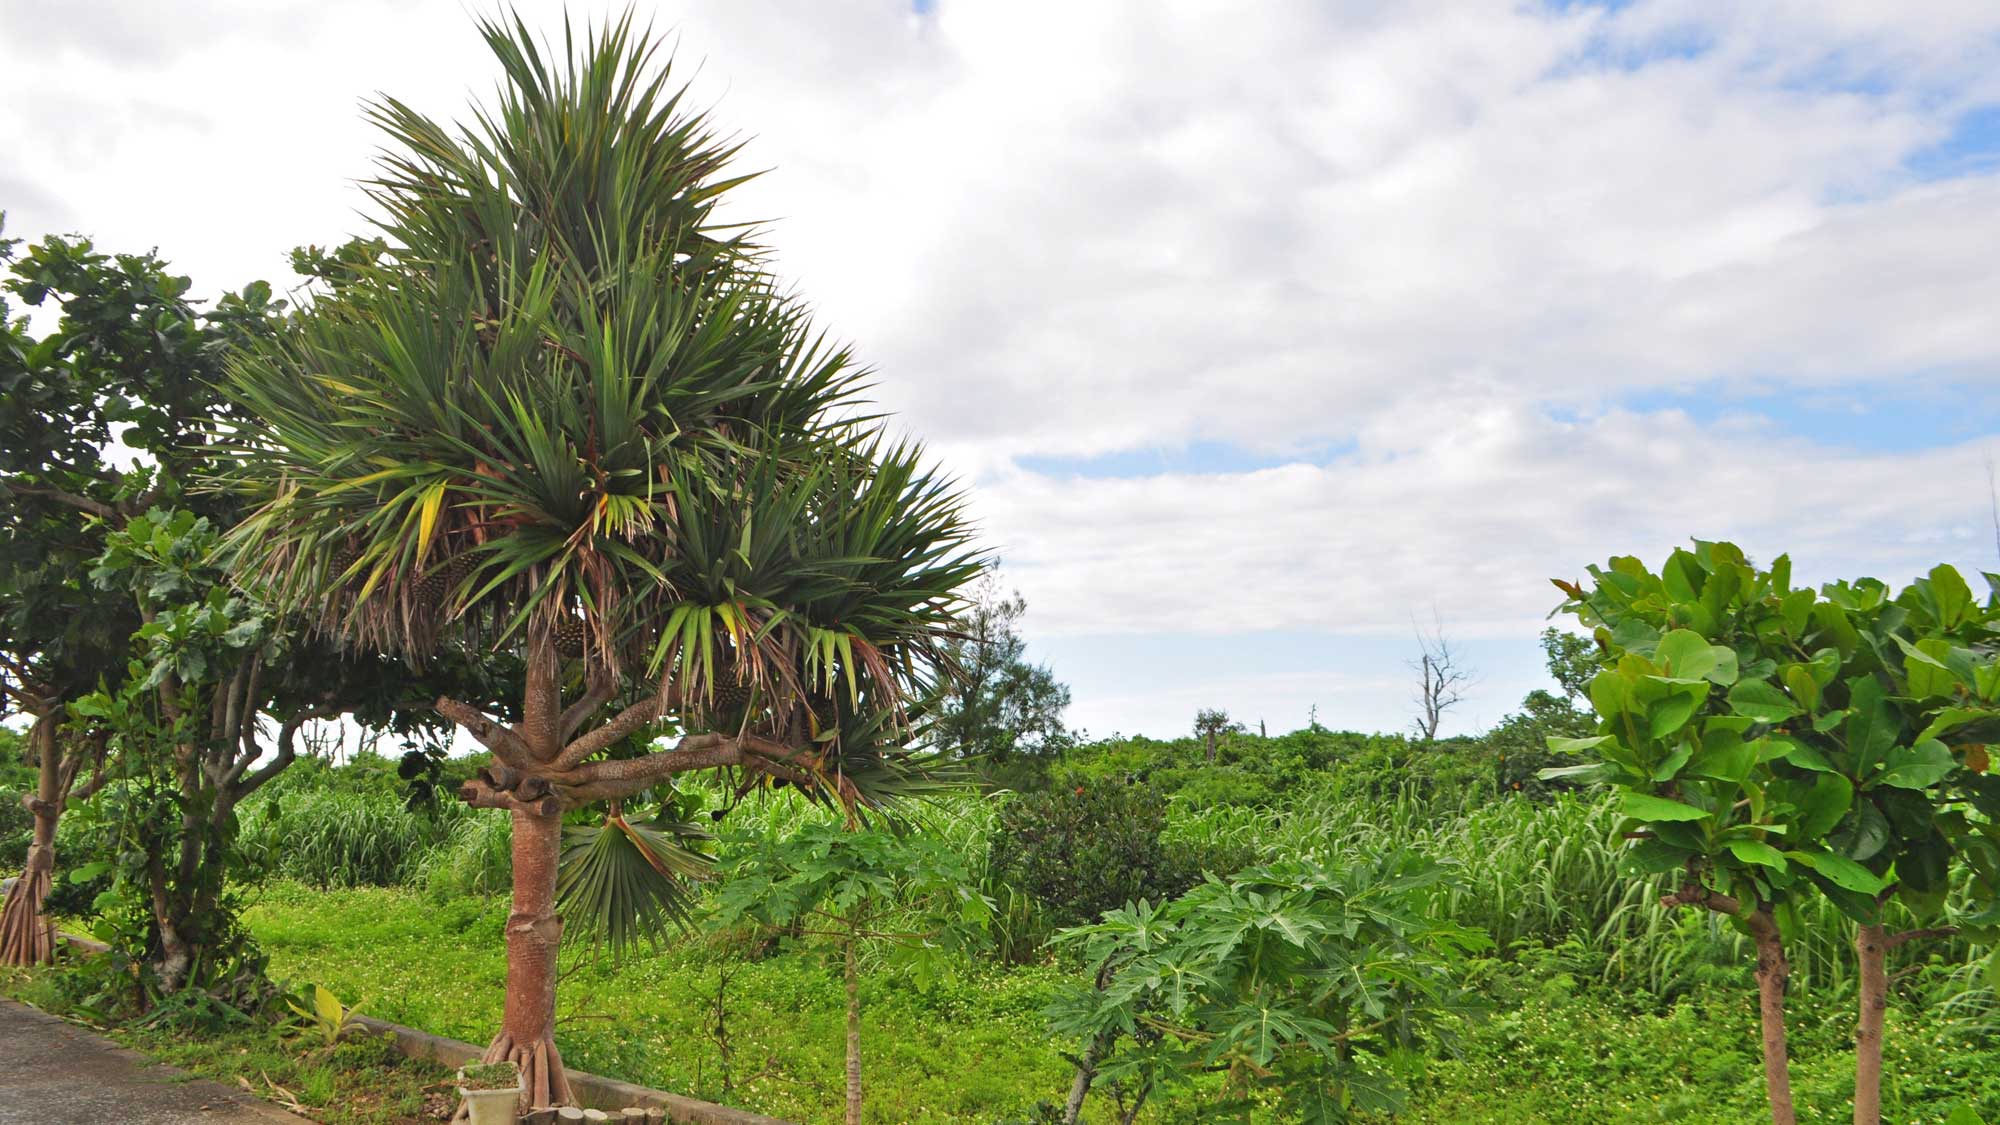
{"x": 1211, "y": 748}
{"x": 1086, "y": 1073}
{"x": 1872, "y": 943}
{"x": 534, "y": 932}
{"x": 26, "y": 938}
{"x": 1086, "y": 1067}
{"x": 853, "y": 1037}
{"x": 1773, "y": 971}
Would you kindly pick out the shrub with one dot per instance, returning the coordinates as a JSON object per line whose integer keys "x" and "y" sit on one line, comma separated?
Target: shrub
{"x": 17, "y": 831}
{"x": 1094, "y": 846}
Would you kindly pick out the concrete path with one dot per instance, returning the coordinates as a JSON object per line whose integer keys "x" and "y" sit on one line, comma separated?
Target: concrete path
{"x": 56, "y": 1073}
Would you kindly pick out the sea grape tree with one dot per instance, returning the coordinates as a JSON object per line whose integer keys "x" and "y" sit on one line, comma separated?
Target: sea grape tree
{"x": 104, "y": 401}
{"x": 1774, "y": 742}
{"x": 567, "y": 417}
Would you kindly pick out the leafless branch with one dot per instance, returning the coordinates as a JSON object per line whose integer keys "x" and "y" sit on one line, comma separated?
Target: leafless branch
{"x": 1444, "y": 677}
{"x": 625, "y": 722}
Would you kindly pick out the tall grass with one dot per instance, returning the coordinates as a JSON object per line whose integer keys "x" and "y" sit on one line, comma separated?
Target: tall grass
{"x": 1542, "y": 874}
{"x": 344, "y": 839}
{"x": 476, "y": 858}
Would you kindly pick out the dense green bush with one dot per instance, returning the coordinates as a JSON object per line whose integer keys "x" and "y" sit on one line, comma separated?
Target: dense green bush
{"x": 1300, "y": 981}
{"x": 1253, "y": 769}
{"x": 17, "y": 830}
{"x": 17, "y": 780}
{"x": 1094, "y": 846}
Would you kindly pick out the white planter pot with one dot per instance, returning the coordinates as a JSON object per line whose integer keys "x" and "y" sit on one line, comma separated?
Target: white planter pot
{"x": 492, "y": 1107}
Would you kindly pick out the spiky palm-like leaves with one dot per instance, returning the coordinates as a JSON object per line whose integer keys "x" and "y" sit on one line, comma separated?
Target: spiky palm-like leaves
{"x": 625, "y": 881}
{"x": 568, "y": 416}
{"x": 571, "y": 398}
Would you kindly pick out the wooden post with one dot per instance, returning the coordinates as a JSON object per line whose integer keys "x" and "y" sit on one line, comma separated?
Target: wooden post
{"x": 632, "y": 1115}
{"x": 569, "y": 1113}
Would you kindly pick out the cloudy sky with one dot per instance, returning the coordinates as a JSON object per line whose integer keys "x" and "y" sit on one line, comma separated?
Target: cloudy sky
{"x": 1258, "y": 331}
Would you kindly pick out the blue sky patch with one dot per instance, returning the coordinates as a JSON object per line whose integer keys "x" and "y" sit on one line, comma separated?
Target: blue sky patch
{"x": 1874, "y": 417}
{"x": 1201, "y": 457}
{"x": 1972, "y": 149}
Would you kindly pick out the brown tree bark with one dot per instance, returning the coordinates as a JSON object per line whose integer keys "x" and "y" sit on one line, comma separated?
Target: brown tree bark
{"x": 853, "y": 1036}
{"x": 1872, "y": 943}
{"x": 1773, "y": 973}
{"x": 26, "y": 937}
{"x": 534, "y": 934}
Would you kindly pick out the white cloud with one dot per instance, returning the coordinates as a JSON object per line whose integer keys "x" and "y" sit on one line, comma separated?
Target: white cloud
{"x": 1471, "y": 505}
{"x": 1422, "y": 233}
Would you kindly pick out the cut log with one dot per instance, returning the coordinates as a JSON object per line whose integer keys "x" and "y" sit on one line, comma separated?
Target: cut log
{"x": 596, "y": 1115}
{"x": 569, "y": 1113}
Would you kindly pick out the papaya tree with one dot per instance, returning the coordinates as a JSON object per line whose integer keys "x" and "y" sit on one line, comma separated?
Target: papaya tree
{"x": 1299, "y": 981}
{"x": 1774, "y": 743}
{"x": 906, "y": 893}
{"x": 566, "y": 416}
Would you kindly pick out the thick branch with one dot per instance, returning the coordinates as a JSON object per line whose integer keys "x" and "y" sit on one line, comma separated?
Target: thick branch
{"x": 1694, "y": 894}
{"x": 481, "y": 795}
{"x": 624, "y": 723}
{"x": 574, "y": 714}
{"x": 287, "y": 736}
{"x": 626, "y": 776}
{"x": 502, "y": 740}
{"x": 96, "y": 508}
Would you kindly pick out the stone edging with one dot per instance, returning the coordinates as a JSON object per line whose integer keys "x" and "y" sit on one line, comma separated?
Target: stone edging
{"x": 595, "y": 1091}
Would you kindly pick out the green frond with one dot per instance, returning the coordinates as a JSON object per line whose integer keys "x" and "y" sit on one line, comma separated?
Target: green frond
{"x": 623, "y": 882}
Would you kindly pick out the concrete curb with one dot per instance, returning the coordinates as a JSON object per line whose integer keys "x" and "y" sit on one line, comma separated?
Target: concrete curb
{"x": 593, "y": 1090}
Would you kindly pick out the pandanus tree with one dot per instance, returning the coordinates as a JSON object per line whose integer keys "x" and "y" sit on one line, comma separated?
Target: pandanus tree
{"x": 568, "y": 417}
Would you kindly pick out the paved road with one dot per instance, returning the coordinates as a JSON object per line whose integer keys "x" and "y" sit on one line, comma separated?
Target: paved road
{"x": 55, "y": 1073}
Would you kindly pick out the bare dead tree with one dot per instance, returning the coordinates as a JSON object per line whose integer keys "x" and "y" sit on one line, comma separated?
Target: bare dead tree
{"x": 1444, "y": 677}
{"x": 1993, "y": 494}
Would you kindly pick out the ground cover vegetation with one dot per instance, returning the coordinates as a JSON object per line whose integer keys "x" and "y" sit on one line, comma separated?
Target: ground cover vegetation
{"x": 551, "y": 460}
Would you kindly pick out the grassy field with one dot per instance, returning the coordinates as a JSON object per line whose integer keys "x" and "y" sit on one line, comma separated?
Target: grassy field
{"x": 966, "y": 1046}
{"x": 1600, "y": 1005}
{"x": 971, "y": 1047}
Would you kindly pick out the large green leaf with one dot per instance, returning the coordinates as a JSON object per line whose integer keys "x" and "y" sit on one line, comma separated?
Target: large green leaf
{"x": 1754, "y": 851}
{"x": 1641, "y": 806}
{"x": 1761, "y": 701}
{"x": 1824, "y": 805}
{"x": 1915, "y": 767}
{"x": 1840, "y": 870}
